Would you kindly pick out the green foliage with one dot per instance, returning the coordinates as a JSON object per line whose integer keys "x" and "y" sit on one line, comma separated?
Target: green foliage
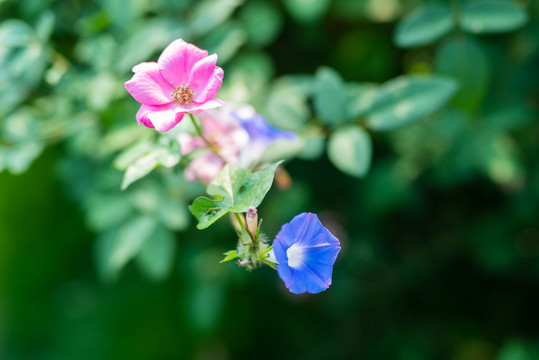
{"x": 492, "y": 16}
{"x": 140, "y": 159}
{"x": 234, "y": 190}
{"x": 409, "y": 98}
{"x": 424, "y": 25}
{"x": 330, "y": 102}
{"x": 350, "y": 150}
{"x": 427, "y": 112}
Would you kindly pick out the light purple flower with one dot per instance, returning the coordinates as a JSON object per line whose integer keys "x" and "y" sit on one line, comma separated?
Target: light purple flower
{"x": 305, "y": 252}
{"x": 184, "y": 79}
{"x": 261, "y": 134}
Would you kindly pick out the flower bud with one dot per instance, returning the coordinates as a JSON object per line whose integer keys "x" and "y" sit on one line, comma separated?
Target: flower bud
{"x": 252, "y": 220}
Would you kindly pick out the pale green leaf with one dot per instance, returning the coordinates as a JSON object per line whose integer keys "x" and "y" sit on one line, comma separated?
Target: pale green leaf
{"x": 407, "y": 99}
{"x": 492, "y": 16}
{"x": 350, "y": 150}
{"x": 424, "y": 25}
{"x": 330, "y": 97}
{"x": 307, "y": 11}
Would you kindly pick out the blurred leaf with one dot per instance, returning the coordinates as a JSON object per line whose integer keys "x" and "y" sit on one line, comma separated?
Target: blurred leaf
{"x": 208, "y": 14}
{"x": 350, "y": 150}
{"x": 306, "y": 11}
{"x": 234, "y": 190}
{"x": 45, "y": 26}
{"x": 154, "y": 36}
{"x": 330, "y": 97}
{"x": 514, "y": 350}
{"x": 286, "y": 107}
{"x": 166, "y": 153}
{"x": 500, "y": 161}
{"x": 174, "y": 214}
{"x": 360, "y": 99}
{"x": 262, "y": 20}
{"x": 115, "y": 248}
{"x": 225, "y": 41}
{"x": 156, "y": 256}
{"x": 106, "y": 211}
{"x": 462, "y": 59}
{"x": 409, "y": 98}
{"x": 124, "y": 13}
{"x": 492, "y": 16}
{"x": 424, "y": 25}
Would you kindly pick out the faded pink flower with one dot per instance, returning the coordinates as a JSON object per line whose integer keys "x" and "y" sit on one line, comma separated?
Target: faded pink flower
{"x": 225, "y": 133}
{"x": 184, "y": 79}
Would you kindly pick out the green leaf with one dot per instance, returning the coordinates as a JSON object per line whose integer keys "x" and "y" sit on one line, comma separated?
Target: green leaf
{"x": 286, "y": 106}
{"x": 156, "y": 256}
{"x": 361, "y": 97}
{"x": 307, "y": 11}
{"x": 234, "y": 190}
{"x": 350, "y": 150}
{"x": 255, "y": 188}
{"x": 492, "y": 16}
{"x": 229, "y": 255}
{"x": 263, "y": 21}
{"x": 207, "y": 211}
{"x": 424, "y": 26}
{"x": 166, "y": 153}
{"x": 330, "y": 96}
{"x": 462, "y": 59}
{"x": 115, "y": 248}
{"x": 209, "y": 14}
{"x": 224, "y": 40}
{"x": 407, "y": 99}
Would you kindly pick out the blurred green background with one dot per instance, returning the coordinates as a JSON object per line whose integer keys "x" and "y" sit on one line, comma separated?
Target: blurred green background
{"x": 440, "y": 235}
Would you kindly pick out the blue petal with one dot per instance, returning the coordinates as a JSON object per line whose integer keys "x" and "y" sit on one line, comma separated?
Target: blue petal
{"x": 261, "y": 131}
{"x": 315, "y": 250}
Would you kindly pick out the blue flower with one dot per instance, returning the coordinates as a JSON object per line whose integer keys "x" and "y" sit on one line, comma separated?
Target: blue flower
{"x": 305, "y": 252}
{"x": 261, "y": 134}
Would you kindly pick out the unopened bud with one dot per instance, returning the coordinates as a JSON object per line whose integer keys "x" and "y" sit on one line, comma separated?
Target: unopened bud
{"x": 252, "y": 220}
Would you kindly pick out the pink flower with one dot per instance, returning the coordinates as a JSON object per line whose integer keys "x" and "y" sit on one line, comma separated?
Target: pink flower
{"x": 225, "y": 133}
{"x": 184, "y": 79}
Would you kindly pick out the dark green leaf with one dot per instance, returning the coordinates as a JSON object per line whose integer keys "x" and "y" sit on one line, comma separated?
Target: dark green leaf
{"x": 462, "y": 59}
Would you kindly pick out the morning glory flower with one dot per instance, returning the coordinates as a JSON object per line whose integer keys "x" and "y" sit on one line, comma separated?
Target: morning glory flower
{"x": 305, "y": 252}
{"x": 184, "y": 79}
{"x": 261, "y": 134}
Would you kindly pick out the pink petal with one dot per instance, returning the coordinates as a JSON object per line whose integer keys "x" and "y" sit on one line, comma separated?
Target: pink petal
{"x": 177, "y": 61}
{"x": 148, "y": 87}
{"x": 142, "y": 118}
{"x": 195, "y": 108}
{"x": 162, "y": 117}
{"x": 206, "y": 78}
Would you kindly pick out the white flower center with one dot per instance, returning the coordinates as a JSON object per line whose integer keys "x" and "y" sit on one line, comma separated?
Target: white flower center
{"x": 296, "y": 255}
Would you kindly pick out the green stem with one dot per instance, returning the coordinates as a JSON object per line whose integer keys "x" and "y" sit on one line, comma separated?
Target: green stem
{"x": 206, "y": 141}
{"x": 240, "y": 221}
